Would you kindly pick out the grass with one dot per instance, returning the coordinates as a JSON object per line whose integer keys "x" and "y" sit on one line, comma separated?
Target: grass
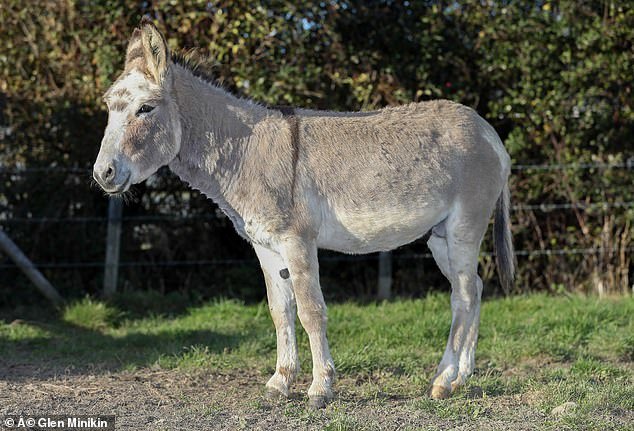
{"x": 544, "y": 350}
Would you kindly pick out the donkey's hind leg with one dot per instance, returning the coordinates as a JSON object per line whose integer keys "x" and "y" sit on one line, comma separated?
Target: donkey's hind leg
{"x": 437, "y": 243}
{"x": 457, "y": 257}
{"x": 279, "y": 292}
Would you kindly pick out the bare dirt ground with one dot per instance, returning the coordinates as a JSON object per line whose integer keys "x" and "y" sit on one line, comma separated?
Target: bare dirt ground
{"x": 174, "y": 400}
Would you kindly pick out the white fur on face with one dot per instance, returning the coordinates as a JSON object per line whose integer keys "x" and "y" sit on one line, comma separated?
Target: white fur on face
{"x": 124, "y": 98}
{"x": 132, "y": 87}
{"x": 115, "y": 129}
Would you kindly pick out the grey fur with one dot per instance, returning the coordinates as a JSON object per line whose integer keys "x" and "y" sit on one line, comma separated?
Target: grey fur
{"x": 355, "y": 182}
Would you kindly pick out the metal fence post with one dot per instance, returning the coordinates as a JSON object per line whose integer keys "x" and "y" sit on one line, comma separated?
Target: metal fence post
{"x": 113, "y": 243}
{"x": 385, "y": 275}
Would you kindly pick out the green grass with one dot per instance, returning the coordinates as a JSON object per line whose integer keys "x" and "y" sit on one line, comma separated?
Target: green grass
{"x": 548, "y": 349}
{"x": 90, "y": 314}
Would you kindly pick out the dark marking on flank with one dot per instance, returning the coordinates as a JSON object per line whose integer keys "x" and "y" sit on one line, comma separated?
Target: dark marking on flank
{"x": 288, "y": 112}
{"x": 285, "y": 274}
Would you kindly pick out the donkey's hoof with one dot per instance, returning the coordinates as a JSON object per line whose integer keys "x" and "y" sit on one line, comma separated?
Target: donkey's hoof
{"x": 439, "y": 392}
{"x": 273, "y": 394}
{"x": 317, "y": 402}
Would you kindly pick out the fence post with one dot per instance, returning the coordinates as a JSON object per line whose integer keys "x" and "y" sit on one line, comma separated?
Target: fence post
{"x": 385, "y": 275}
{"x": 23, "y": 262}
{"x": 113, "y": 243}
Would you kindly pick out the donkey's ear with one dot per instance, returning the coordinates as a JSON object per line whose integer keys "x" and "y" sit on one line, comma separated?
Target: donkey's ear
{"x": 154, "y": 50}
{"x": 135, "y": 48}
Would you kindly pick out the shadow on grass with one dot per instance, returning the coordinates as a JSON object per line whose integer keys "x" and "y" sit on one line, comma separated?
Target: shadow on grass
{"x": 43, "y": 348}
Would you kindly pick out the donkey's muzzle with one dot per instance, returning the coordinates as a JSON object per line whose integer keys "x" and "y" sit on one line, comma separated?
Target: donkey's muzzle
{"x": 111, "y": 177}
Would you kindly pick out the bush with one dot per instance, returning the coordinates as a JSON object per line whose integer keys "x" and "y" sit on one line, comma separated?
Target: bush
{"x": 554, "y": 78}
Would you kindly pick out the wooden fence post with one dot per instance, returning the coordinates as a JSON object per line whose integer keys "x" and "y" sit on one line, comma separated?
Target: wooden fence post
{"x": 27, "y": 267}
{"x": 385, "y": 275}
{"x": 113, "y": 243}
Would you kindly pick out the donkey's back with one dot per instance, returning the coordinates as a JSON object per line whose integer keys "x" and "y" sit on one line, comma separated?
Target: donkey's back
{"x": 384, "y": 178}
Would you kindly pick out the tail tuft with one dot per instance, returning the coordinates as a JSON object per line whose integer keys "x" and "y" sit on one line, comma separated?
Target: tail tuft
{"x": 502, "y": 241}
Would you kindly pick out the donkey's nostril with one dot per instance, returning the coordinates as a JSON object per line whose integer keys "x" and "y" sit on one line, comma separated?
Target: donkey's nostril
{"x": 105, "y": 174}
{"x": 109, "y": 173}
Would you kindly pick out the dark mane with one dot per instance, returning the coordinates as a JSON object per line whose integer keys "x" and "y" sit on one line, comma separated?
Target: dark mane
{"x": 201, "y": 67}
{"x": 198, "y": 65}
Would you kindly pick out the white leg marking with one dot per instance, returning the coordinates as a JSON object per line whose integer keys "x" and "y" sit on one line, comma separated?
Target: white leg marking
{"x": 283, "y": 311}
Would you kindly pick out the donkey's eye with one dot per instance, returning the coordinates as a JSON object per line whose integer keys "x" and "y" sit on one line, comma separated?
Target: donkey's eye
{"x": 144, "y": 109}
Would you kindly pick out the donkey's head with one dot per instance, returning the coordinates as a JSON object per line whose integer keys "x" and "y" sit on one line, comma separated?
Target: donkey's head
{"x": 144, "y": 129}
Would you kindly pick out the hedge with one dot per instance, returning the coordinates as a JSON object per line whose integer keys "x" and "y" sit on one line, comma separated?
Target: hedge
{"x": 554, "y": 78}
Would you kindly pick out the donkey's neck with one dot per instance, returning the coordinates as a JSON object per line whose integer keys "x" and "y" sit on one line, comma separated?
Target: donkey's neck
{"x": 217, "y": 128}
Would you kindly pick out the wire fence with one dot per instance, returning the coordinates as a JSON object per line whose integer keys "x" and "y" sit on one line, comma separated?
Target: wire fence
{"x": 353, "y": 258}
{"x": 628, "y": 164}
{"x": 543, "y": 207}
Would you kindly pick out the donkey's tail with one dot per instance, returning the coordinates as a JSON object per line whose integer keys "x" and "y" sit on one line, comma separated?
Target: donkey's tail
{"x": 502, "y": 241}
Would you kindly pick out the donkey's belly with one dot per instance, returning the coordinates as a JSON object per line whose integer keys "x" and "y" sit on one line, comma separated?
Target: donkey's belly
{"x": 366, "y": 230}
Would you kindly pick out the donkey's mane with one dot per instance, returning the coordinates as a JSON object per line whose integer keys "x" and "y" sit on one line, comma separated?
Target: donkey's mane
{"x": 202, "y": 67}
{"x": 197, "y": 64}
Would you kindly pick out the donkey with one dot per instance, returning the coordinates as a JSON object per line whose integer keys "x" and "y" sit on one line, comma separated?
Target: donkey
{"x": 293, "y": 181}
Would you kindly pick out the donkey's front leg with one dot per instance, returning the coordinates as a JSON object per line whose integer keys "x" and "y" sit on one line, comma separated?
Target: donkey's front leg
{"x": 281, "y": 300}
{"x": 301, "y": 257}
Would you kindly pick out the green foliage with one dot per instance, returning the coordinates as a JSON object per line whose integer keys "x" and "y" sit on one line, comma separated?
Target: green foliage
{"x": 554, "y": 78}
{"x": 558, "y": 78}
